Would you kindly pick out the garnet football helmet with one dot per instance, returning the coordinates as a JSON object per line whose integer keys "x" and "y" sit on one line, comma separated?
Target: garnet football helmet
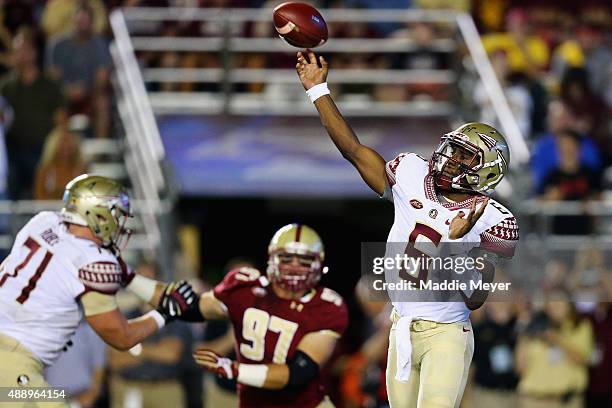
{"x": 296, "y": 255}
{"x": 472, "y": 158}
{"x": 102, "y": 205}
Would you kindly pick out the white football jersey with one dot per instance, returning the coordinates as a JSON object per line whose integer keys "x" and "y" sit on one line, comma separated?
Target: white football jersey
{"x": 42, "y": 279}
{"x": 421, "y": 218}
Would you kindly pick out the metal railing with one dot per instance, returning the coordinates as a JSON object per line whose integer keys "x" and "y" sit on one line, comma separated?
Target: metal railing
{"x": 144, "y": 153}
{"x": 15, "y": 214}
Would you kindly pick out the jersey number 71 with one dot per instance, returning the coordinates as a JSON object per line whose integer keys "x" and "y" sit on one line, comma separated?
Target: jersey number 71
{"x": 33, "y": 247}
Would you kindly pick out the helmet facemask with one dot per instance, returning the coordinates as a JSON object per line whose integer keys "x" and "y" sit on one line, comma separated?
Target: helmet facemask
{"x": 455, "y": 163}
{"x": 295, "y": 258}
{"x": 121, "y": 213}
{"x": 294, "y": 271}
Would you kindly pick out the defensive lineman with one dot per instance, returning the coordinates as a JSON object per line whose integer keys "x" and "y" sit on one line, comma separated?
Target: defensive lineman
{"x": 285, "y": 323}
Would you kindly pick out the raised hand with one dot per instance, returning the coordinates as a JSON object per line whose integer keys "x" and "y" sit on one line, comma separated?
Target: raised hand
{"x": 309, "y": 71}
{"x": 460, "y": 226}
{"x": 221, "y": 366}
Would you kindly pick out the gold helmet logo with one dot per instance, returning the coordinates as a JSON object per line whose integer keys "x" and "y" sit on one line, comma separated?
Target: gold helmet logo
{"x": 101, "y": 204}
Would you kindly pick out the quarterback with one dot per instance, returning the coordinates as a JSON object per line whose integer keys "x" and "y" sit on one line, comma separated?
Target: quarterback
{"x": 286, "y": 325}
{"x": 63, "y": 265}
{"x": 443, "y": 200}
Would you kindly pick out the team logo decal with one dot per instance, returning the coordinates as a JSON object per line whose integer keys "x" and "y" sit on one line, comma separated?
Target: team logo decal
{"x": 433, "y": 213}
{"x": 487, "y": 140}
{"x": 23, "y": 379}
{"x": 416, "y": 204}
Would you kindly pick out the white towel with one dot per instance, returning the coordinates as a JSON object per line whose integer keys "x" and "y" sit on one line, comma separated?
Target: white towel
{"x": 403, "y": 345}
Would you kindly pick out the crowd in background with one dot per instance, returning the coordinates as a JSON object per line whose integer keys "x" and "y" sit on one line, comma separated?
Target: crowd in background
{"x": 554, "y": 65}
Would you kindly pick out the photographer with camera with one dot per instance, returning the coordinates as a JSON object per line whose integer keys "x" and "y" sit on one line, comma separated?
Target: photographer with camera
{"x": 553, "y": 355}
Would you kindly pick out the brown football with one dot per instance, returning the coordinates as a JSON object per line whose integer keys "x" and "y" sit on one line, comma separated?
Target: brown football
{"x": 300, "y": 25}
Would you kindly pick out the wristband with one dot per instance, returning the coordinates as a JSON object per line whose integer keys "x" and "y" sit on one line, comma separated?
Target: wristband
{"x": 252, "y": 374}
{"x": 159, "y": 319}
{"x": 317, "y": 91}
{"x": 142, "y": 287}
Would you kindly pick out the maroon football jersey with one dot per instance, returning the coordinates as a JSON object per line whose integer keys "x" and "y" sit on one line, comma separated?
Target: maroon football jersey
{"x": 268, "y": 330}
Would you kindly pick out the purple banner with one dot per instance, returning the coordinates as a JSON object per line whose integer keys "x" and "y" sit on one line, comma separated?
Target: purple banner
{"x": 281, "y": 156}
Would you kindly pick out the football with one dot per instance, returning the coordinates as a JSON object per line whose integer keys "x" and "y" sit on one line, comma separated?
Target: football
{"x": 300, "y": 25}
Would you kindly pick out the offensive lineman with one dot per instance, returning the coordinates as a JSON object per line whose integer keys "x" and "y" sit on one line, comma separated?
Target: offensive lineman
{"x": 431, "y": 343}
{"x": 63, "y": 265}
{"x": 286, "y": 325}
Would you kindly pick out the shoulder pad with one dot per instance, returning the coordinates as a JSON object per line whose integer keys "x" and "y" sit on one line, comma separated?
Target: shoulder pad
{"x": 101, "y": 276}
{"x": 236, "y": 279}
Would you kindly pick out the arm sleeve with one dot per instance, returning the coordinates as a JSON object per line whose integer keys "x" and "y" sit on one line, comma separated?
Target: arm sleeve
{"x": 502, "y": 238}
{"x": 391, "y": 168}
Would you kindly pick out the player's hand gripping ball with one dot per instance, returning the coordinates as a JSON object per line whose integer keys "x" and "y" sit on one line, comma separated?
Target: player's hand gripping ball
{"x": 300, "y": 25}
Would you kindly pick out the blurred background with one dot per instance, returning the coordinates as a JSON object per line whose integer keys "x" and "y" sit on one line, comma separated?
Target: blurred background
{"x": 195, "y": 105}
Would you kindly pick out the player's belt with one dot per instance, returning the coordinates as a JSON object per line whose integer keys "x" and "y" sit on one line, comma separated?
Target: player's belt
{"x": 418, "y": 325}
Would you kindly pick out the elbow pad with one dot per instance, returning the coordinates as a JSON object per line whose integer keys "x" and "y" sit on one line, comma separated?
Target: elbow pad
{"x": 302, "y": 369}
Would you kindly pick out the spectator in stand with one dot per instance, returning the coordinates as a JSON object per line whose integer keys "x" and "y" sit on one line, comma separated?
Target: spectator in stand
{"x": 545, "y": 156}
{"x": 585, "y": 48}
{"x": 590, "y": 282}
{"x": 81, "y": 368}
{"x": 58, "y": 17}
{"x": 552, "y": 357}
{"x": 589, "y": 109}
{"x": 6, "y": 117}
{"x": 526, "y": 52}
{"x": 82, "y": 62}
{"x": 38, "y": 107}
{"x": 555, "y": 277}
{"x": 17, "y": 13}
{"x": 514, "y": 85}
{"x": 424, "y": 56}
{"x": 495, "y": 336}
{"x": 571, "y": 181}
{"x": 599, "y": 393}
{"x": 148, "y": 375}
{"x": 6, "y": 37}
{"x": 61, "y": 162}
